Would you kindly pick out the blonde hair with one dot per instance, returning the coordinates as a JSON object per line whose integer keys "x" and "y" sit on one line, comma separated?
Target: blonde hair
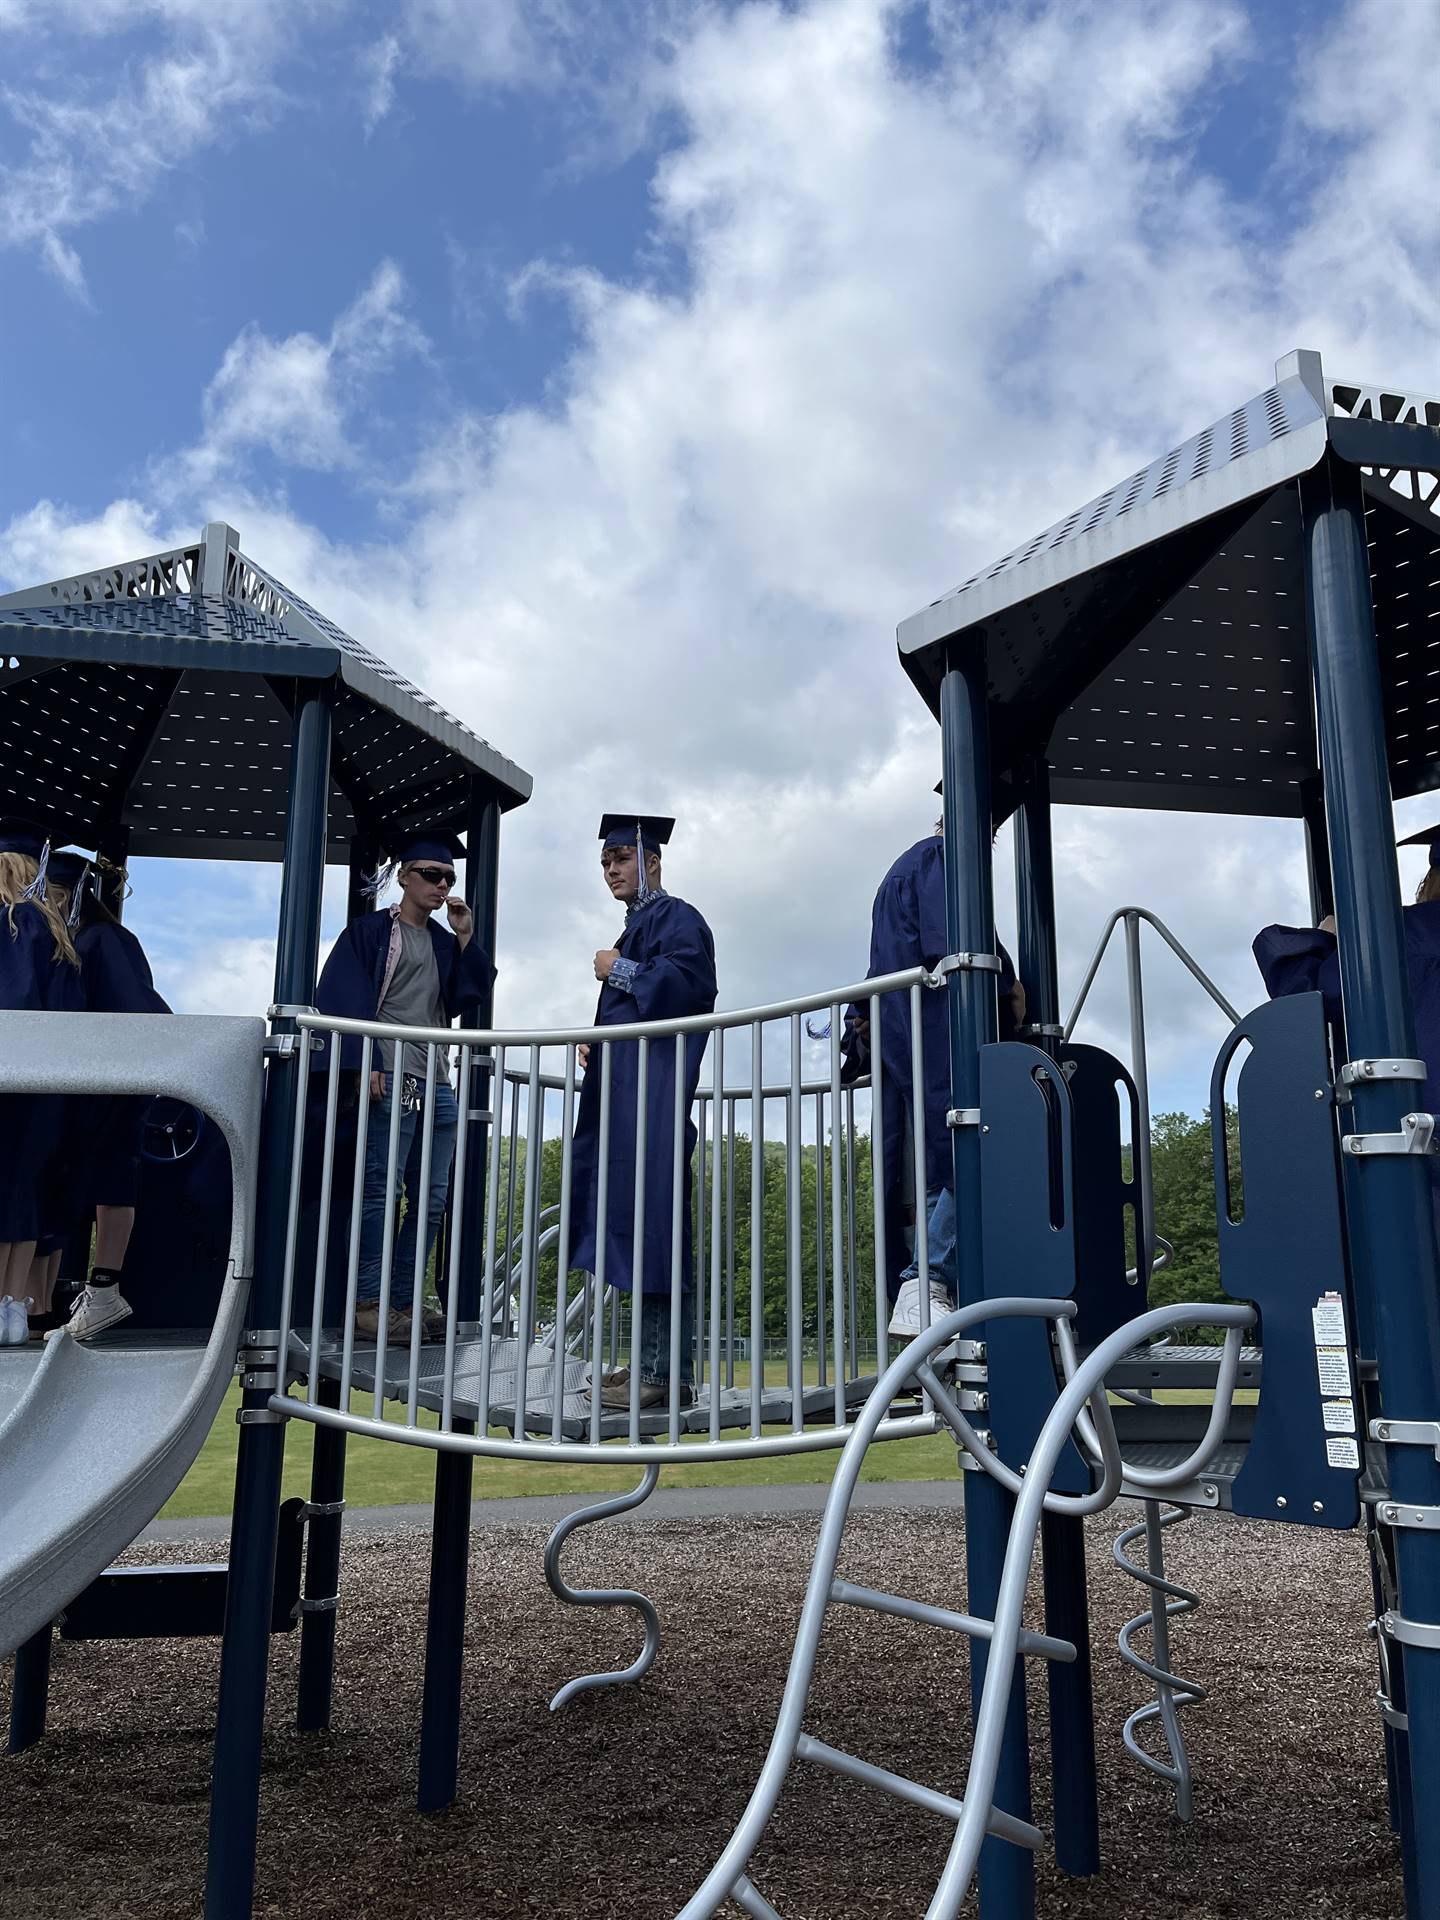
{"x": 17, "y": 873}
{"x": 1429, "y": 887}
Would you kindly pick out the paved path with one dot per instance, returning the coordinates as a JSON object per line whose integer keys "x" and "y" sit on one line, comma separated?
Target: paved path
{"x": 667, "y": 1503}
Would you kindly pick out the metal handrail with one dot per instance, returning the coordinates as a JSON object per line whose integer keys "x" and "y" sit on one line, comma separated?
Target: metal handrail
{"x": 536, "y": 1388}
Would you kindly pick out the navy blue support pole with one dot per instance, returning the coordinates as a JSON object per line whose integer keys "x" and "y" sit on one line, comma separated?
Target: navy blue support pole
{"x": 454, "y": 1472}
{"x": 315, "y": 1693}
{"x": 1067, "y": 1601}
{"x": 1392, "y": 1238}
{"x": 240, "y": 1719}
{"x": 30, "y": 1690}
{"x": 1007, "y": 1874}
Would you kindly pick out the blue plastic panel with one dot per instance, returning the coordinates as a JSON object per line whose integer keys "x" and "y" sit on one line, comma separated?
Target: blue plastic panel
{"x": 1106, "y": 1194}
{"x": 1027, "y": 1172}
{"x": 1287, "y": 1255}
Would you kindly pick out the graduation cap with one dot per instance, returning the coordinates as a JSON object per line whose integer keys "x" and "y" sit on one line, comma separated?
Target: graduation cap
{"x": 1427, "y": 837}
{"x": 646, "y": 832}
{"x": 427, "y": 843}
{"x": 71, "y": 869}
{"x": 27, "y": 837}
{"x": 652, "y": 830}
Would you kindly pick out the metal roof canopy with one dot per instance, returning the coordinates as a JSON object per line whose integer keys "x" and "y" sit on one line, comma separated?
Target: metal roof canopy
{"x": 1153, "y": 644}
{"x": 155, "y": 698}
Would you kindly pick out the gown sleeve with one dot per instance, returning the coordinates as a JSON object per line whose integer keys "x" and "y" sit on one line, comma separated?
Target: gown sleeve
{"x": 469, "y": 976}
{"x": 677, "y": 977}
{"x": 1300, "y": 960}
{"x": 117, "y": 974}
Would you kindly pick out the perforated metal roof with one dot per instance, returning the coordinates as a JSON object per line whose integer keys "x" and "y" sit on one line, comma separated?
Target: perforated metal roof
{"x": 157, "y": 696}
{"x": 1153, "y": 643}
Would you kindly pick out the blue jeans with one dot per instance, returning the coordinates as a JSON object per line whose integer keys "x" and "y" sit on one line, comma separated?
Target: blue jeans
{"x": 940, "y": 1239}
{"x": 407, "y": 1181}
{"x": 655, "y": 1339}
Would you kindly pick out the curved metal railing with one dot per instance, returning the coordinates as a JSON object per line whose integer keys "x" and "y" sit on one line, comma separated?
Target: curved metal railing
{"x": 789, "y": 1325}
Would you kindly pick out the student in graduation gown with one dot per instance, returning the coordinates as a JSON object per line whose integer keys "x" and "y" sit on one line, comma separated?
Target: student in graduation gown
{"x": 39, "y": 973}
{"x": 907, "y": 929}
{"x": 1307, "y": 960}
{"x": 398, "y": 967}
{"x": 662, "y": 967}
{"x": 102, "y": 1131}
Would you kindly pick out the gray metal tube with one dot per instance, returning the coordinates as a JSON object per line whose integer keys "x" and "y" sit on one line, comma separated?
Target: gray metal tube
{"x": 357, "y": 1204}
{"x": 757, "y": 1230}
{"x": 717, "y": 1110}
{"x": 794, "y": 1242}
{"x": 702, "y": 1221}
{"x": 292, "y": 1212}
{"x": 837, "y": 1206}
{"x": 732, "y": 1108}
{"x": 852, "y": 1260}
{"x": 677, "y": 1240}
{"x": 387, "y": 1244}
{"x": 1140, "y": 1070}
{"x": 917, "y": 1154}
{"x": 602, "y": 1229}
{"x": 457, "y": 1222}
{"x": 322, "y": 1238}
{"x": 562, "y": 1248}
{"x": 877, "y": 1181}
{"x": 637, "y": 1234}
{"x": 492, "y": 1222}
{"x": 822, "y": 1327}
{"x": 421, "y": 1205}
{"x": 529, "y": 1215}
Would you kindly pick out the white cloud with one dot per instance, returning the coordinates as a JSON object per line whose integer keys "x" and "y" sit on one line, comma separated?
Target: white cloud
{"x": 922, "y": 315}
{"x": 99, "y": 140}
{"x": 294, "y": 397}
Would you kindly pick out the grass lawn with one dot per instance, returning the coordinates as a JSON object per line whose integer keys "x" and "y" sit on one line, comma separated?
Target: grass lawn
{"x": 380, "y": 1475}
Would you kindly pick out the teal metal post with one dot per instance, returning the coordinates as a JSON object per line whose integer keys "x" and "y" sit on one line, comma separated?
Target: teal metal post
{"x": 240, "y": 1717}
{"x": 1007, "y": 1873}
{"x": 1391, "y": 1231}
{"x": 1067, "y": 1601}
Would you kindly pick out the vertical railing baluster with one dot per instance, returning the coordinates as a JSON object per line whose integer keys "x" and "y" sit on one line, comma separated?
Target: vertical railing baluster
{"x": 387, "y": 1245}
{"x": 322, "y": 1236}
{"x": 917, "y": 1155}
{"x": 292, "y": 1217}
{"x": 561, "y": 1347}
{"x": 732, "y": 1127}
{"x": 602, "y": 1228}
{"x": 757, "y": 1224}
{"x": 822, "y": 1364}
{"x": 837, "y": 1204}
{"x": 357, "y": 1208}
{"x": 877, "y": 1181}
{"x": 529, "y": 1234}
{"x": 463, "y": 1081}
{"x": 422, "y": 1234}
{"x": 717, "y": 1111}
{"x": 794, "y": 1240}
{"x": 637, "y": 1236}
{"x": 499, "y": 1083}
{"x": 852, "y": 1247}
{"x": 679, "y": 1278}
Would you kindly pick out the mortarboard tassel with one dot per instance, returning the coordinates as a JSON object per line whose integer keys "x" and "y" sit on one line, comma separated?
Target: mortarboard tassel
{"x": 36, "y": 888}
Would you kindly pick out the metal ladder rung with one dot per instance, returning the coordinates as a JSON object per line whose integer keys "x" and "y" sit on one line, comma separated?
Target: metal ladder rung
{"x": 847, "y": 1593}
{"x": 746, "y": 1894}
{"x": 1005, "y": 1826}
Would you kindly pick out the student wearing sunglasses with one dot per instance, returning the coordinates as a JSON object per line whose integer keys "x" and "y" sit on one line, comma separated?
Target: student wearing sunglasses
{"x": 398, "y": 966}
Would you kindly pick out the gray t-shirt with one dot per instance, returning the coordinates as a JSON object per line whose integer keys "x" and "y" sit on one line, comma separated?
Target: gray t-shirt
{"x": 412, "y": 999}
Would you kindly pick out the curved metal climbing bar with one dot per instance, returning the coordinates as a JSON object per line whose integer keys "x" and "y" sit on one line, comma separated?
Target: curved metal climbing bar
{"x": 604, "y": 1596}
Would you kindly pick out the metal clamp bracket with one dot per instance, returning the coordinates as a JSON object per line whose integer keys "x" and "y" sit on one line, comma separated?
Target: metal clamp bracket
{"x": 1044, "y": 1029}
{"x": 261, "y": 1379}
{"x": 1395, "y": 1513}
{"x": 1391, "y": 1714}
{"x": 328, "y": 1605}
{"x": 963, "y": 963}
{"x": 1410, "y": 1633}
{"x": 286, "y": 1010}
{"x": 1416, "y": 1135}
{"x": 1408, "y": 1433}
{"x": 963, "y": 1117}
{"x": 974, "y": 1400}
{"x": 320, "y": 1509}
{"x": 1357, "y": 1070}
{"x": 259, "y": 1417}
{"x": 282, "y": 1045}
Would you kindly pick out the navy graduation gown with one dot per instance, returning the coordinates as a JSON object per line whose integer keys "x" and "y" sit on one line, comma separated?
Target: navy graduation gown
{"x": 907, "y": 929}
{"x": 104, "y": 1130}
{"x": 115, "y": 971}
{"x": 32, "y": 980}
{"x": 1305, "y": 960}
{"x": 674, "y": 953}
{"x": 352, "y": 977}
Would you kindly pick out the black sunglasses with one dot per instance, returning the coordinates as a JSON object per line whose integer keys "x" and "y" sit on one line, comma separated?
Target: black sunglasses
{"x": 435, "y": 876}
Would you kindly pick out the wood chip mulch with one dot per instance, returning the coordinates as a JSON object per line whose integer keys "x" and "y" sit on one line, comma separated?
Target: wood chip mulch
{"x": 617, "y": 1806}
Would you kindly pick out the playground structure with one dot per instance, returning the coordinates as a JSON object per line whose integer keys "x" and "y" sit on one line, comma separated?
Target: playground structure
{"x": 1240, "y": 627}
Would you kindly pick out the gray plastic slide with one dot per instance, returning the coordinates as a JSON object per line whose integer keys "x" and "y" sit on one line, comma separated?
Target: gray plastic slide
{"x": 94, "y": 1439}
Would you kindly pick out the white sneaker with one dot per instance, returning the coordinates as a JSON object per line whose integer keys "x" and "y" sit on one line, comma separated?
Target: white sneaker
{"x": 905, "y": 1321}
{"x": 96, "y": 1309}
{"x": 14, "y": 1322}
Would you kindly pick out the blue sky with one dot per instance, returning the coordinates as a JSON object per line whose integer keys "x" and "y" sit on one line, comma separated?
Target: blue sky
{"x": 561, "y": 347}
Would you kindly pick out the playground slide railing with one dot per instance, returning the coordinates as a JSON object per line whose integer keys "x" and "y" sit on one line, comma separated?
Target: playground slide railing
{"x": 790, "y": 1172}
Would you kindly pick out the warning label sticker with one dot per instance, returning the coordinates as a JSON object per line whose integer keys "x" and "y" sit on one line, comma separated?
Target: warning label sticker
{"x": 1327, "y": 1317}
{"x": 1339, "y": 1416}
{"x": 1334, "y": 1367}
{"x": 1342, "y": 1453}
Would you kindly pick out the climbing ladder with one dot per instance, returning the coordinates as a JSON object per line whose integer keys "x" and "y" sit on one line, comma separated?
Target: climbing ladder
{"x": 1003, "y": 1639}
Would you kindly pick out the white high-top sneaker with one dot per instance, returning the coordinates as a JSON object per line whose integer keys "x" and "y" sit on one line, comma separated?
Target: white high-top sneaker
{"x": 95, "y": 1309}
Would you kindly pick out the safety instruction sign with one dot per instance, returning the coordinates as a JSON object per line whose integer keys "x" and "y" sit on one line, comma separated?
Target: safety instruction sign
{"x": 1337, "y": 1395}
